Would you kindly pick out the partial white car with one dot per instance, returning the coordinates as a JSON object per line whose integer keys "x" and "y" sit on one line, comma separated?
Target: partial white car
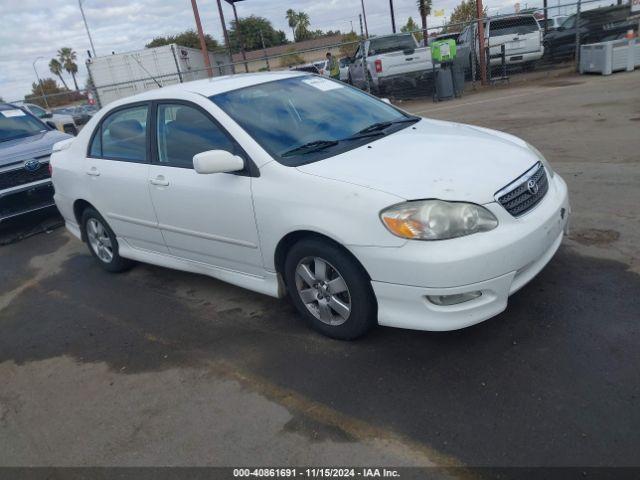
{"x": 289, "y": 182}
{"x": 61, "y": 122}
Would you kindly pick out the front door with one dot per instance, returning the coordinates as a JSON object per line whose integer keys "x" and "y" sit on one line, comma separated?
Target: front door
{"x": 206, "y": 218}
{"x": 117, "y": 172}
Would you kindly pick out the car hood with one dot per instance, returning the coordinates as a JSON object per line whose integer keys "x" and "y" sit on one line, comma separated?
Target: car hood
{"x": 433, "y": 159}
{"x": 21, "y": 149}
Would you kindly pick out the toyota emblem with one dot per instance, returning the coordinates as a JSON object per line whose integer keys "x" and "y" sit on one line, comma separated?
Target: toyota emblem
{"x": 31, "y": 165}
{"x": 533, "y": 187}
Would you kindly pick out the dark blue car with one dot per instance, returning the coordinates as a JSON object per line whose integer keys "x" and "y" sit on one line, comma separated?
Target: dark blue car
{"x": 25, "y": 147}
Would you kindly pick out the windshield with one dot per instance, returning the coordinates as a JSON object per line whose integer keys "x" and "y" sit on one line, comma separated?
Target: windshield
{"x": 392, "y": 44}
{"x": 309, "y": 111}
{"x": 15, "y": 123}
{"x": 513, "y": 26}
{"x": 569, "y": 22}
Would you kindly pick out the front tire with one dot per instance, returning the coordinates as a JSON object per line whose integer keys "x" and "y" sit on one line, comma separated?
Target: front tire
{"x": 102, "y": 242}
{"x": 330, "y": 289}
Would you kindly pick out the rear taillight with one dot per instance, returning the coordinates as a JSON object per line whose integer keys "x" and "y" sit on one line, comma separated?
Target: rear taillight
{"x": 378, "y": 64}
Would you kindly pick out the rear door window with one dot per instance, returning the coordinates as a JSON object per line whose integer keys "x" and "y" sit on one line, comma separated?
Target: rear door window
{"x": 513, "y": 26}
{"x": 122, "y": 135}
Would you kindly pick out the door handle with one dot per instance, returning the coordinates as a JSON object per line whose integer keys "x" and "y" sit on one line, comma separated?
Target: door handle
{"x": 160, "y": 181}
{"x": 93, "y": 171}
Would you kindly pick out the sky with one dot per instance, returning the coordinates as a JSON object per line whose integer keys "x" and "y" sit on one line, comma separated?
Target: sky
{"x": 36, "y": 28}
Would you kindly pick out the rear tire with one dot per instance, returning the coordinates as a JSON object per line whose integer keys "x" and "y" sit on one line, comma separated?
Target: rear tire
{"x": 102, "y": 242}
{"x": 330, "y": 289}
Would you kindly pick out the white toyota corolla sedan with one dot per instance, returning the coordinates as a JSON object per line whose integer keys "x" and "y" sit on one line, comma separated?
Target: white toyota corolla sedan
{"x": 294, "y": 183}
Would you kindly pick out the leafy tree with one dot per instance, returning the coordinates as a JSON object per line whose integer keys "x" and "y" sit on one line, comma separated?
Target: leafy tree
{"x": 67, "y": 57}
{"x": 250, "y": 28}
{"x": 348, "y": 49}
{"x": 424, "y": 7}
{"x": 188, "y": 38}
{"x": 412, "y": 26}
{"x": 55, "y": 67}
{"x": 465, "y": 12}
{"x": 291, "y": 59}
{"x": 292, "y": 20}
{"x": 302, "y": 26}
{"x": 55, "y": 95}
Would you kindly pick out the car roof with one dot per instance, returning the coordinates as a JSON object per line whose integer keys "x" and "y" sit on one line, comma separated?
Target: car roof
{"x": 211, "y": 86}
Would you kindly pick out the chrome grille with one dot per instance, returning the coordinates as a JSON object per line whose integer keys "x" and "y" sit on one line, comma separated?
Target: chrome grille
{"x": 20, "y": 176}
{"x": 525, "y": 192}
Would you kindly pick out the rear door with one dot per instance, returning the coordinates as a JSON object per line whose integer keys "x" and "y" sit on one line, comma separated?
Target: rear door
{"x": 519, "y": 35}
{"x": 117, "y": 172}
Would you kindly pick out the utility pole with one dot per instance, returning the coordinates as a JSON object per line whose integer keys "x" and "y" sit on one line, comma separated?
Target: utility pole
{"x": 203, "y": 43}
{"x": 44, "y": 97}
{"x": 577, "y": 56}
{"x": 544, "y": 5}
{"x": 239, "y": 33}
{"x": 84, "y": 19}
{"x": 226, "y": 37}
{"x": 361, "y": 29}
{"x": 481, "y": 52}
{"x": 393, "y": 19}
{"x": 264, "y": 50}
{"x": 364, "y": 16}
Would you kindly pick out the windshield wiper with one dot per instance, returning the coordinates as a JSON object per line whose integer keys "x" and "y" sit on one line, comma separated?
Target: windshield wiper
{"x": 377, "y": 128}
{"x": 310, "y": 147}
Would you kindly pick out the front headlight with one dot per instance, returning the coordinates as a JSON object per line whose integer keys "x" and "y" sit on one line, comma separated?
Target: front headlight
{"x": 544, "y": 161}
{"x": 437, "y": 220}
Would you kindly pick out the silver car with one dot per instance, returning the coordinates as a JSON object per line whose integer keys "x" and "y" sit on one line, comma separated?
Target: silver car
{"x": 25, "y": 147}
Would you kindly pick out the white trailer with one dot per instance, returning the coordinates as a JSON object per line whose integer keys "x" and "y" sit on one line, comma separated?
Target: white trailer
{"x": 121, "y": 75}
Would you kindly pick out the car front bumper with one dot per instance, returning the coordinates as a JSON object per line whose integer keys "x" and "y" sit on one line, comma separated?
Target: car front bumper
{"x": 496, "y": 264}
{"x": 25, "y": 199}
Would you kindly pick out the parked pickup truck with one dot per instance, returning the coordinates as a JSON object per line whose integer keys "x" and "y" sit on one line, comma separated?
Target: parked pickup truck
{"x": 392, "y": 61}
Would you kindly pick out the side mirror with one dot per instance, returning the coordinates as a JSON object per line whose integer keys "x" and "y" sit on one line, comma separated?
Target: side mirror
{"x": 386, "y": 100}
{"x": 51, "y": 125}
{"x": 217, "y": 161}
{"x": 47, "y": 115}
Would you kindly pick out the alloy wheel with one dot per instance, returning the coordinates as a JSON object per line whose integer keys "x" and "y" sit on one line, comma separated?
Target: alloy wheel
{"x": 323, "y": 290}
{"x": 99, "y": 240}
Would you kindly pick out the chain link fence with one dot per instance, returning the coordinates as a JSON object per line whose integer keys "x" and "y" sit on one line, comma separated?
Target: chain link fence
{"x": 396, "y": 66}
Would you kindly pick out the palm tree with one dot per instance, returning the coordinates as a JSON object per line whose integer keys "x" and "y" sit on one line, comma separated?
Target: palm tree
{"x": 424, "y": 6}
{"x": 67, "y": 57}
{"x": 292, "y": 18}
{"x": 56, "y": 68}
{"x": 302, "y": 25}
